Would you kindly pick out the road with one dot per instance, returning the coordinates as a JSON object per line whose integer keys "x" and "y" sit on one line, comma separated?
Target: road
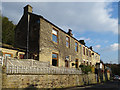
{"x": 110, "y": 85}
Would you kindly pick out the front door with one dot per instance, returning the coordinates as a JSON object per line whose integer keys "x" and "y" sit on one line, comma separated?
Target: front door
{"x": 66, "y": 63}
{"x": 76, "y": 63}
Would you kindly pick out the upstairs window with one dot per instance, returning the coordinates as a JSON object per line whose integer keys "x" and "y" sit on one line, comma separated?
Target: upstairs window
{"x": 84, "y": 50}
{"x": 67, "y": 42}
{"x": 54, "y": 59}
{"x": 80, "y": 48}
{"x": 90, "y": 53}
{"x": 55, "y": 35}
{"x": 76, "y": 46}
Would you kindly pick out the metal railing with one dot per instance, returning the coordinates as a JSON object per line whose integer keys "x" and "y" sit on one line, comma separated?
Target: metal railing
{"x": 41, "y": 70}
{"x": 1, "y": 60}
{"x": 29, "y": 66}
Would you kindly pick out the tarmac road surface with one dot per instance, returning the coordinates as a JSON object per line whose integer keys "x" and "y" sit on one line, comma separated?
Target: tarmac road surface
{"x": 110, "y": 85}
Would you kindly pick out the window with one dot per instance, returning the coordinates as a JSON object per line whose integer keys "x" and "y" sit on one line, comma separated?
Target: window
{"x": 67, "y": 42}
{"x": 84, "y": 62}
{"x": 21, "y": 56}
{"x": 90, "y": 53}
{"x": 80, "y": 48}
{"x": 54, "y": 59}
{"x": 76, "y": 46}
{"x": 84, "y": 50}
{"x": 67, "y": 58}
{"x": 55, "y": 35}
{"x": 90, "y": 64}
{"x": 7, "y": 54}
{"x": 87, "y": 63}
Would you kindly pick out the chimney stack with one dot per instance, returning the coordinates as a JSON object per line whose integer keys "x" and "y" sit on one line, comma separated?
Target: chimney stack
{"x": 27, "y": 9}
{"x": 82, "y": 42}
{"x": 91, "y": 48}
{"x": 70, "y": 32}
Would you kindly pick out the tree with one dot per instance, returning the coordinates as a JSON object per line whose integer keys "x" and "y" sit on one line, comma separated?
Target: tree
{"x": 115, "y": 68}
{"x": 7, "y": 31}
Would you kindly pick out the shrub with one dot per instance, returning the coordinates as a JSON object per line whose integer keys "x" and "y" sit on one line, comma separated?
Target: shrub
{"x": 85, "y": 69}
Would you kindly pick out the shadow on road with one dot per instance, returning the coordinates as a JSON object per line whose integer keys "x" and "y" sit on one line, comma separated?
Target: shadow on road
{"x": 109, "y": 85}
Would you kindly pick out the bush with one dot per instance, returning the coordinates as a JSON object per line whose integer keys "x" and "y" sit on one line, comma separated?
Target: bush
{"x": 85, "y": 69}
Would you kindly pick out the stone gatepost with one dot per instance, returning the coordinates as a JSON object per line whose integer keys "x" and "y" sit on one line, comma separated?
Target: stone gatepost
{"x": 4, "y": 76}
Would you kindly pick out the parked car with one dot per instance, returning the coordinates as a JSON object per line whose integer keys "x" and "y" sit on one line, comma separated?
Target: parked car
{"x": 116, "y": 77}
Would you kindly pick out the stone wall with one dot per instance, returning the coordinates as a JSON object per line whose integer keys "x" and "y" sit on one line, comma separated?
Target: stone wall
{"x": 47, "y": 81}
{"x": 39, "y": 79}
{"x": 66, "y": 77}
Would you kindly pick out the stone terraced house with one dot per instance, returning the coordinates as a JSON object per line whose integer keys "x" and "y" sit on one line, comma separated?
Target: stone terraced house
{"x": 44, "y": 41}
{"x": 10, "y": 51}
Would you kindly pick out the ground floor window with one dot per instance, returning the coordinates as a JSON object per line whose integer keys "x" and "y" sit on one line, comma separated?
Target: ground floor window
{"x": 21, "y": 56}
{"x": 54, "y": 59}
{"x": 90, "y": 63}
{"x": 8, "y": 54}
{"x": 84, "y": 62}
{"x": 87, "y": 63}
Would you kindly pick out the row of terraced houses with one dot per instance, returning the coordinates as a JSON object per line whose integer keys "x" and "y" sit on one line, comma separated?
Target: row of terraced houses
{"x": 44, "y": 41}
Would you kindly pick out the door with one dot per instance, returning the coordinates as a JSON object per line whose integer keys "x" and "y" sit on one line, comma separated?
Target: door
{"x": 76, "y": 63}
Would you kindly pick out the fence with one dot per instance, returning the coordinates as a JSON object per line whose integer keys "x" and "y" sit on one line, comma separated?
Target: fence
{"x": 29, "y": 66}
{"x": 1, "y": 60}
{"x": 40, "y": 70}
{"x": 26, "y": 62}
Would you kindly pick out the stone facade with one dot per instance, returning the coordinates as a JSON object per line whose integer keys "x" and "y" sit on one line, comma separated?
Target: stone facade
{"x": 37, "y": 40}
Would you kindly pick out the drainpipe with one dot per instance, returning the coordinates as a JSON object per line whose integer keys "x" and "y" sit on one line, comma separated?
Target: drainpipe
{"x": 28, "y": 36}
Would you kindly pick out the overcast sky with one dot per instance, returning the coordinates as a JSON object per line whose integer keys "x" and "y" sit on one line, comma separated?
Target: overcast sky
{"x": 95, "y": 22}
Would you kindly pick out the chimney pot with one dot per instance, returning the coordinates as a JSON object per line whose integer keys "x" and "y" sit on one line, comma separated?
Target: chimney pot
{"x": 91, "y": 47}
{"x": 70, "y": 32}
{"x": 82, "y": 42}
